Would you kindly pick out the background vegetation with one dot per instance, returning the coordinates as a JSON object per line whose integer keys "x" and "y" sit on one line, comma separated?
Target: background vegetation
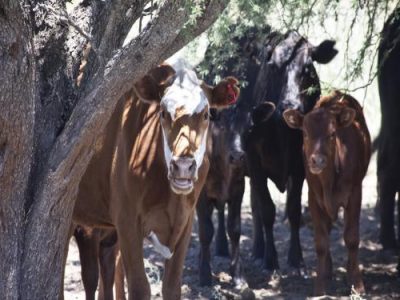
{"x": 354, "y": 24}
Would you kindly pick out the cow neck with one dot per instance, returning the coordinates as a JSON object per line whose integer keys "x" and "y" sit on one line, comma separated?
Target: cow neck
{"x": 141, "y": 127}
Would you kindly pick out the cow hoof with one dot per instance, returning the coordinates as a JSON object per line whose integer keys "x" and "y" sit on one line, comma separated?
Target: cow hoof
{"x": 274, "y": 278}
{"x": 247, "y": 294}
{"x": 299, "y": 272}
{"x": 358, "y": 289}
{"x": 240, "y": 283}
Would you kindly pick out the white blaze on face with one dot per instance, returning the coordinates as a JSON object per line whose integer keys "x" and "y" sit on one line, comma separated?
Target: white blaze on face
{"x": 185, "y": 94}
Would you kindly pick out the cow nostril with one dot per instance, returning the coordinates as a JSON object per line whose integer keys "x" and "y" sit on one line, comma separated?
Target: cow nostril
{"x": 175, "y": 166}
{"x": 318, "y": 160}
{"x": 192, "y": 166}
{"x": 236, "y": 157}
{"x": 313, "y": 159}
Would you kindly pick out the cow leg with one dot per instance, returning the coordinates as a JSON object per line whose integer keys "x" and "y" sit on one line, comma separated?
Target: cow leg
{"x": 398, "y": 216}
{"x": 322, "y": 226}
{"x": 267, "y": 211}
{"x": 107, "y": 255}
{"x": 387, "y": 193}
{"x": 206, "y": 232}
{"x": 88, "y": 253}
{"x": 234, "y": 232}
{"x": 119, "y": 278}
{"x": 130, "y": 239}
{"x": 172, "y": 280}
{"x": 258, "y": 233}
{"x": 221, "y": 242}
{"x": 398, "y": 264}
{"x": 295, "y": 256}
{"x": 352, "y": 239}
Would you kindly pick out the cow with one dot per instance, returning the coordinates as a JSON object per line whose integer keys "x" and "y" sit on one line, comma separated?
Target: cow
{"x": 226, "y": 178}
{"x": 286, "y": 79}
{"x": 388, "y": 160}
{"x": 224, "y": 185}
{"x": 149, "y": 169}
{"x": 337, "y": 150}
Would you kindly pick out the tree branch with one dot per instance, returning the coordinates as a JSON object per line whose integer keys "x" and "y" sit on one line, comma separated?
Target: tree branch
{"x": 212, "y": 11}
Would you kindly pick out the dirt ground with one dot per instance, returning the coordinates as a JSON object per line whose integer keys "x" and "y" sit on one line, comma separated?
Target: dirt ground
{"x": 379, "y": 268}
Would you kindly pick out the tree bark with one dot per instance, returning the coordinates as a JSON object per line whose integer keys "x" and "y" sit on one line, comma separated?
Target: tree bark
{"x": 17, "y": 102}
{"x": 50, "y": 124}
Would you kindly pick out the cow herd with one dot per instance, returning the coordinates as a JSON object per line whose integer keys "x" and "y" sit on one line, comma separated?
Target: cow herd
{"x": 176, "y": 145}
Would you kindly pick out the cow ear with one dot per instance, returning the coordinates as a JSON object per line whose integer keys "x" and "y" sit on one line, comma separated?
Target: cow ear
{"x": 293, "y": 118}
{"x": 262, "y": 112}
{"x": 151, "y": 87}
{"x": 324, "y": 52}
{"x": 345, "y": 117}
{"x": 225, "y": 93}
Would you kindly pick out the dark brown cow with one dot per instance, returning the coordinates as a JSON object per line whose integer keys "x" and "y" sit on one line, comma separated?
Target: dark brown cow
{"x": 337, "y": 150}
{"x": 149, "y": 169}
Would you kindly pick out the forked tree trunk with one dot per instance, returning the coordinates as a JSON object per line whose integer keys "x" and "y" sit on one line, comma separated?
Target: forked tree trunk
{"x": 49, "y": 123}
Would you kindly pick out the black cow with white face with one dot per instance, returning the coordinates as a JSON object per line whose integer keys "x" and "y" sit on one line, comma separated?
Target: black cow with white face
{"x": 287, "y": 78}
{"x": 225, "y": 181}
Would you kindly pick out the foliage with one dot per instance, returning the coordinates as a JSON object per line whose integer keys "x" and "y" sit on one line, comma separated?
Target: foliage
{"x": 364, "y": 20}
{"x": 239, "y": 19}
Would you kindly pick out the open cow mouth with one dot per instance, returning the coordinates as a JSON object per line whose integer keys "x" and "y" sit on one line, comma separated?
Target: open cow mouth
{"x": 181, "y": 186}
{"x": 316, "y": 170}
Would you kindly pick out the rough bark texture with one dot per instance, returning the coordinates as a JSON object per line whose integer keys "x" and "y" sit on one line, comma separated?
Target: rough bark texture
{"x": 49, "y": 123}
{"x": 17, "y": 93}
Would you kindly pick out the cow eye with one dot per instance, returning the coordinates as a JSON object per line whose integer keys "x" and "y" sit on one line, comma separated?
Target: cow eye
{"x": 206, "y": 115}
{"x": 162, "y": 114}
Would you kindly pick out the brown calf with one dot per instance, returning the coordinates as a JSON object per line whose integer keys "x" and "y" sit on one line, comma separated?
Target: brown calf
{"x": 149, "y": 169}
{"x": 337, "y": 150}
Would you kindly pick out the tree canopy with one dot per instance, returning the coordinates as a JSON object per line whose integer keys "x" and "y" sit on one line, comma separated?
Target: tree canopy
{"x": 359, "y": 39}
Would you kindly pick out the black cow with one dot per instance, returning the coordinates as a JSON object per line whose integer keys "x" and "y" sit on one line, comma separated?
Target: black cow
{"x": 225, "y": 180}
{"x": 247, "y": 118}
{"x": 389, "y": 139}
{"x": 288, "y": 78}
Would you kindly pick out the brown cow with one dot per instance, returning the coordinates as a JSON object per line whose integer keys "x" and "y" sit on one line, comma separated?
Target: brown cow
{"x": 337, "y": 150}
{"x": 149, "y": 169}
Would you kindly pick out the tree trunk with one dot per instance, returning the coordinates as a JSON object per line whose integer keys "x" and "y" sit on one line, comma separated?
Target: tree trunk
{"x": 49, "y": 123}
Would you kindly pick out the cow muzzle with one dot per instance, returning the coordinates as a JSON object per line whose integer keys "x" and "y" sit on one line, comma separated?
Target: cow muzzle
{"x": 182, "y": 174}
{"x": 236, "y": 157}
{"x": 317, "y": 163}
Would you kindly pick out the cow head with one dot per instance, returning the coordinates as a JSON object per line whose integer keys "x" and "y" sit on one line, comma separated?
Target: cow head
{"x": 226, "y": 137}
{"x": 184, "y": 102}
{"x": 319, "y": 132}
{"x": 291, "y": 63}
